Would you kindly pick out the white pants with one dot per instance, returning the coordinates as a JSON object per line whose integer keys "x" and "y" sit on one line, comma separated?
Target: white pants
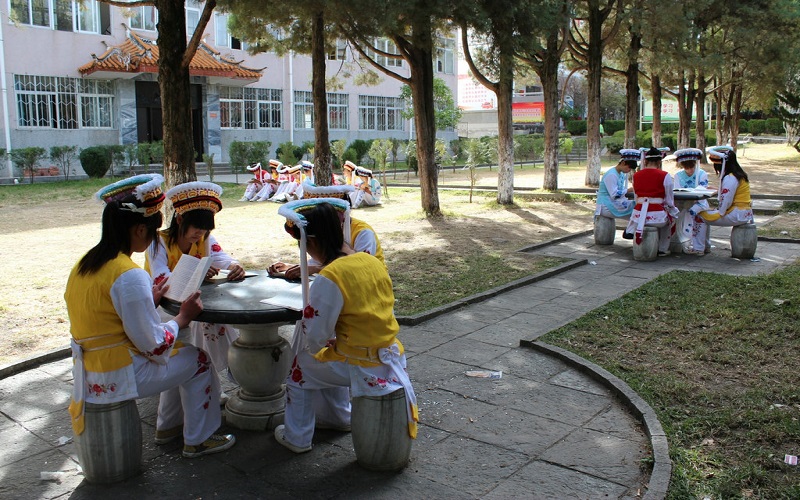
{"x": 189, "y": 393}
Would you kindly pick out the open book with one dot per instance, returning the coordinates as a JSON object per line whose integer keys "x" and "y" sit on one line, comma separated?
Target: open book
{"x": 187, "y": 277}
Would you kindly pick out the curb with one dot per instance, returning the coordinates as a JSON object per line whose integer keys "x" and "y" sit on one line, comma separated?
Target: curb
{"x": 555, "y": 241}
{"x": 488, "y": 294}
{"x": 29, "y": 363}
{"x": 662, "y": 465}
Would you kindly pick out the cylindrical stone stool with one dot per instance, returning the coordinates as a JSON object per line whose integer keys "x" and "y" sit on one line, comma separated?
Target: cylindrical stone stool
{"x": 744, "y": 240}
{"x": 604, "y": 228}
{"x": 648, "y": 249}
{"x": 110, "y": 447}
{"x": 380, "y": 431}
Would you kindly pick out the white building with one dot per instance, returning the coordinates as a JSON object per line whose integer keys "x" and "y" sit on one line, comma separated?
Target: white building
{"x": 84, "y": 73}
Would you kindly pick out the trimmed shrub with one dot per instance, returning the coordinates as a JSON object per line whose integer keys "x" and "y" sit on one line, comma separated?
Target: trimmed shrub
{"x": 95, "y": 160}
{"x": 757, "y": 127}
{"x": 616, "y": 142}
{"x": 612, "y": 126}
{"x": 744, "y": 127}
{"x": 361, "y": 147}
{"x": 576, "y": 127}
{"x": 774, "y": 126}
{"x": 288, "y": 153}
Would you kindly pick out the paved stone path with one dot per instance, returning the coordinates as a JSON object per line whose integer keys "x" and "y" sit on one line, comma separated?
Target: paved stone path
{"x": 552, "y": 427}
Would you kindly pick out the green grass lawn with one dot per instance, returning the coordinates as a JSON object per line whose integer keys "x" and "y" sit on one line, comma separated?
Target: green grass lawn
{"x": 716, "y": 357}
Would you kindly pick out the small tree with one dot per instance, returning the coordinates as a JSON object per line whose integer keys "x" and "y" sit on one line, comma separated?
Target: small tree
{"x": 208, "y": 159}
{"x": 476, "y": 154}
{"x": 26, "y": 159}
{"x": 789, "y": 110}
{"x": 396, "y": 143}
{"x": 144, "y": 155}
{"x": 338, "y": 148}
{"x": 63, "y": 156}
{"x": 242, "y": 154}
{"x": 288, "y": 153}
{"x": 131, "y": 158}
{"x": 565, "y": 145}
{"x": 117, "y": 152}
{"x": 440, "y": 152}
{"x": 379, "y": 152}
{"x": 411, "y": 158}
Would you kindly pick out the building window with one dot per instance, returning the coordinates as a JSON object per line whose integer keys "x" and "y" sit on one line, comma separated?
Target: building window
{"x": 380, "y": 113}
{"x": 143, "y": 18}
{"x": 338, "y": 111}
{"x": 445, "y": 56}
{"x": 303, "y": 110}
{"x": 246, "y": 108}
{"x": 192, "y": 16}
{"x": 223, "y": 36}
{"x": 338, "y": 51}
{"x": 387, "y": 46}
{"x": 88, "y": 16}
{"x": 63, "y": 103}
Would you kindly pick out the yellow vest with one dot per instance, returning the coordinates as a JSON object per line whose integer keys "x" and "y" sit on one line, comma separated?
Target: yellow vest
{"x": 366, "y": 322}
{"x": 174, "y": 252}
{"x": 356, "y": 226}
{"x": 741, "y": 200}
{"x": 94, "y": 323}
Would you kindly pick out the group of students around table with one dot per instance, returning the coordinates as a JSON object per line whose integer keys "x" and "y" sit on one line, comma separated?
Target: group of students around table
{"x": 282, "y": 183}
{"x": 653, "y": 202}
{"x": 125, "y": 347}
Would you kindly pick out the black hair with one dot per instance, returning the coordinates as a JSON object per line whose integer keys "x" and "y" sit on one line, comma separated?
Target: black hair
{"x": 325, "y": 227}
{"x": 633, "y": 164}
{"x": 732, "y": 167}
{"x": 199, "y": 218}
{"x": 115, "y": 237}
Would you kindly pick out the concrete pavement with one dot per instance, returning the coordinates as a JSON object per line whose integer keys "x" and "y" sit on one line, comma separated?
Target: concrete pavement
{"x": 554, "y": 426}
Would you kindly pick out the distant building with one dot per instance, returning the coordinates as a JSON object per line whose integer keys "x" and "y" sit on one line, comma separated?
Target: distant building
{"x": 84, "y": 73}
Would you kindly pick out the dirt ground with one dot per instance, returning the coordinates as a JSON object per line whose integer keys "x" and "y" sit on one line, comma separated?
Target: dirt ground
{"x": 40, "y": 243}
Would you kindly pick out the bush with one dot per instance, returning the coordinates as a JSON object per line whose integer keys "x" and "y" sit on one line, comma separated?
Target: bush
{"x": 63, "y": 156}
{"x": 774, "y": 126}
{"x": 744, "y": 127}
{"x": 242, "y": 153}
{"x": 757, "y": 127}
{"x": 576, "y": 127}
{"x": 288, "y": 153}
{"x": 361, "y": 147}
{"x": 26, "y": 159}
{"x": 615, "y": 142}
{"x": 95, "y": 160}
{"x": 351, "y": 155}
{"x": 612, "y": 126}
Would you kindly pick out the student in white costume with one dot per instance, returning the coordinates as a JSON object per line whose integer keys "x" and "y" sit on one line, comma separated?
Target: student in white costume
{"x": 256, "y": 184}
{"x": 612, "y": 201}
{"x": 347, "y": 338}
{"x": 121, "y": 349}
{"x": 189, "y": 233}
{"x": 286, "y": 190}
{"x": 368, "y": 190}
{"x": 270, "y": 183}
{"x": 690, "y": 228}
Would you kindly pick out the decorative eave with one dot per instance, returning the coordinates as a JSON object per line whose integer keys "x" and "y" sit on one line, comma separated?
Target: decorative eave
{"x": 137, "y": 55}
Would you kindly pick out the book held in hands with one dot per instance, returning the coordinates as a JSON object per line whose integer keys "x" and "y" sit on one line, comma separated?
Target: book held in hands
{"x": 187, "y": 277}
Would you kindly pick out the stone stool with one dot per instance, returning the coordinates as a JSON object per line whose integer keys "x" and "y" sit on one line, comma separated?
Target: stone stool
{"x": 110, "y": 447}
{"x": 604, "y": 228}
{"x": 380, "y": 431}
{"x": 744, "y": 239}
{"x": 648, "y": 249}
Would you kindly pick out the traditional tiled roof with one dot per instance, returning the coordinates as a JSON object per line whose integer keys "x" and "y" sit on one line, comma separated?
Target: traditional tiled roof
{"x": 139, "y": 55}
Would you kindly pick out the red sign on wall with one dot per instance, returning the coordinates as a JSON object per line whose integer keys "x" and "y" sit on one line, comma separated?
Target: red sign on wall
{"x": 527, "y": 112}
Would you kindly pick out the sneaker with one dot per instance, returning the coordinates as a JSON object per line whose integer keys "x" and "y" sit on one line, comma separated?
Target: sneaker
{"x": 663, "y": 254}
{"x": 626, "y": 235}
{"x": 169, "y": 435}
{"x": 332, "y": 427}
{"x": 694, "y": 252}
{"x": 280, "y": 437}
{"x": 214, "y": 444}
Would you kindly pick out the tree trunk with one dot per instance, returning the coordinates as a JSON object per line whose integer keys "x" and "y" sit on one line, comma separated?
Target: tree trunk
{"x": 548, "y": 74}
{"x": 323, "y": 169}
{"x": 656, "y": 84}
{"x": 719, "y": 97}
{"x": 505, "y": 131}
{"x": 686, "y": 95}
{"x": 173, "y": 82}
{"x": 737, "y": 109}
{"x": 594, "y": 74}
{"x": 632, "y": 91}
{"x": 700, "y": 127}
{"x": 421, "y": 65}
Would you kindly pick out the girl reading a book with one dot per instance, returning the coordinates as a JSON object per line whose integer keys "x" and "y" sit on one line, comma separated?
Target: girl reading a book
{"x": 121, "y": 348}
{"x": 189, "y": 233}
{"x": 347, "y": 340}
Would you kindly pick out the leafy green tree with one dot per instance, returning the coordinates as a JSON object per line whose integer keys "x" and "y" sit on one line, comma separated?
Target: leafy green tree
{"x": 477, "y": 153}
{"x": 447, "y": 112}
{"x": 379, "y": 151}
{"x": 26, "y": 159}
{"x": 242, "y": 154}
{"x": 208, "y": 159}
{"x": 789, "y": 109}
{"x": 289, "y": 154}
{"x": 63, "y": 156}
{"x": 338, "y": 148}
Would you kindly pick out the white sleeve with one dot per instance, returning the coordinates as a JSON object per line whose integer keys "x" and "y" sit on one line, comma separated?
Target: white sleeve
{"x": 727, "y": 191}
{"x": 610, "y": 181}
{"x": 325, "y": 302}
{"x": 159, "y": 267}
{"x": 669, "y": 195}
{"x": 132, "y": 297}
{"x": 366, "y": 242}
{"x": 702, "y": 178}
{"x": 219, "y": 258}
